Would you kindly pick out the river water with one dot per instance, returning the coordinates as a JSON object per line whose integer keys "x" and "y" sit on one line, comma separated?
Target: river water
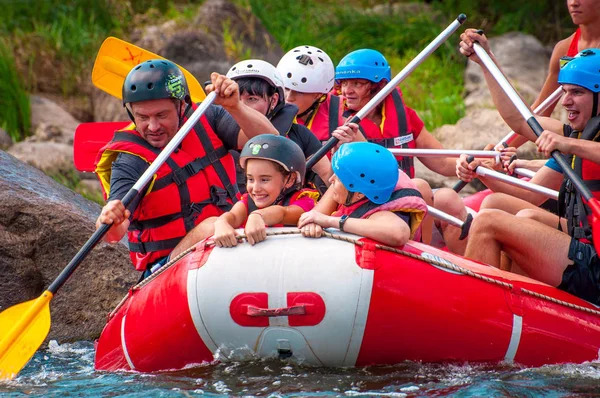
{"x": 68, "y": 370}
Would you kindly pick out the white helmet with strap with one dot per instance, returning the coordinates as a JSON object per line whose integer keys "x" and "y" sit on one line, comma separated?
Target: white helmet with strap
{"x": 261, "y": 69}
{"x": 307, "y": 69}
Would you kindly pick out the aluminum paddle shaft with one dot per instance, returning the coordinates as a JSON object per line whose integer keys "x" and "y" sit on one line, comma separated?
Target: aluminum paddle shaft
{"x": 391, "y": 85}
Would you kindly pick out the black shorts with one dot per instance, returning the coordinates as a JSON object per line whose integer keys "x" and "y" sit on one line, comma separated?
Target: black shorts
{"x": 582, "y": 278}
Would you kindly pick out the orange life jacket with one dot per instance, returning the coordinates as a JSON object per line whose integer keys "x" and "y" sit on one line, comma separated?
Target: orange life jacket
{"x": 405, "y": 198}
{"x": 393, "y": 131}
{"x": 325, "y": 117}
{"x": 197, "y": 181}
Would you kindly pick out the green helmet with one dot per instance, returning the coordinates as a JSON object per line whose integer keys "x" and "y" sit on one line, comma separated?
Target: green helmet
{"x": 154, "y": 79}
{"x": 277, "y": 149}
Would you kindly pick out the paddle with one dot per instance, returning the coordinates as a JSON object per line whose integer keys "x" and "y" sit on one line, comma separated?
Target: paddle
{"x": 31, "y": 320}
{"x": 537, "y": 129}
{"x": 115, "y": 59}
{"x": 552, "y": 98}
{"x": 443, "y": 153}
{"x": 388, "y": 88}
{"x": 89, "y": 139}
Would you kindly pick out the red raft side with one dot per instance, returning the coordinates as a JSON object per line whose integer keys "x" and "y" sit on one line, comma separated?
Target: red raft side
{"x": 427, "y": 313}
{"x": 140, "y": 335}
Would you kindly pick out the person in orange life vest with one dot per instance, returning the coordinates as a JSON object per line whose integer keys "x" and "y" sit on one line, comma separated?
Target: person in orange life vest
{"x": 568, "y": 259}
{"x": 508, "y": 198}
{"x": 368, "y": 196}
{"x": 361, "y": 75}
{"x": 308, "y": 77}
{"x": 275, "y": 168}
{"x": 261, "y": 87}
{"x": 198, "y": 179}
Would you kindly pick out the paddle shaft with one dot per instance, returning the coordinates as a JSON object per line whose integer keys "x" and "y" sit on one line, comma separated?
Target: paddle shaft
{"x": 133, "y": 192}
{"x": 552, "y": 98}
{"x": 391, "y": 86}
{"x": 448, "y": 153}
{"x": 482, "y": 171}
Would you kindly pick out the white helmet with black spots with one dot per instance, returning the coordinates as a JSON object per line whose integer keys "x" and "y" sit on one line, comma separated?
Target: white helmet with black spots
{"x": 307, "y": 69}
{"x": 261, "y": 69}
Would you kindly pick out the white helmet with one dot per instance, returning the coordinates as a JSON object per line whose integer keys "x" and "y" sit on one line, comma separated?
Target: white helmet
{"x": 260, "y": 69}
{"x": 307, "y": 69}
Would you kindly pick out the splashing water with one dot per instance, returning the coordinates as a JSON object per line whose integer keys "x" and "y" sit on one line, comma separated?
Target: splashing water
{"x": 68, "y": 369}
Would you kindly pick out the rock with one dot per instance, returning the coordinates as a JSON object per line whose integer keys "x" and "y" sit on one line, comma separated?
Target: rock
{"x": 42, "y": 226}
{"x": 5, "y": 139}
{"x": 107, "y": 108}
{"x": 49, "y": 157}
{"x": 524, "y": 60}
{"x": 48, "y": 113}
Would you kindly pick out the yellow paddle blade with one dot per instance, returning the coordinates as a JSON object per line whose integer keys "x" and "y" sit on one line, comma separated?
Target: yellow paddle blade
{"x": 115, "y": 59}
{"x": 23, "y": 328}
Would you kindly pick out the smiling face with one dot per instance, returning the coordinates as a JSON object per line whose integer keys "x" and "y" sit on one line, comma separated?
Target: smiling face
{"x": 357, "y": 93}
{"x": 578, "y": 102}
{"x": 156, "y": 120}
{"x": 584, "y": 12}
{"x": 265, "y": 181}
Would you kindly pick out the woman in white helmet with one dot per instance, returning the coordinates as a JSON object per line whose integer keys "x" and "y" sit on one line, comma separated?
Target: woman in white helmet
{"x": 308, "y": 76}
{"x": 261, "y": 88}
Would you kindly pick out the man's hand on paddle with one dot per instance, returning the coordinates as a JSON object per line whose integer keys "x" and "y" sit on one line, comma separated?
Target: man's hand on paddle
{"x": 549, "y": 141}
{"x": 467, "y": 38}
{"x": 228, "y": 91}
{"x": 115, "y": 213}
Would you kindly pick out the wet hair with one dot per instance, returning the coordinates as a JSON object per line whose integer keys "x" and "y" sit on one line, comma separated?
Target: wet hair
{"x": 256, "y": 86}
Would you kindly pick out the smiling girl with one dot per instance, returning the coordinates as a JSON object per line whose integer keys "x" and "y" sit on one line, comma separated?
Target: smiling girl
{"x": 275, "y": 168}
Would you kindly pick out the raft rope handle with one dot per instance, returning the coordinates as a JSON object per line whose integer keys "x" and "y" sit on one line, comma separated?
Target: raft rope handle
{"x": 449, "y": 266}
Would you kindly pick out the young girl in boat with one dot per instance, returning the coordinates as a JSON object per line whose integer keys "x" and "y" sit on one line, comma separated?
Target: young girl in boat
{"x": 275, "y": 169}
{"x": 368, "y": 196}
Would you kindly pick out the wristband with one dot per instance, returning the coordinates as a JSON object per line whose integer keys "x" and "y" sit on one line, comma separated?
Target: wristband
{"x": 342, "y": 222}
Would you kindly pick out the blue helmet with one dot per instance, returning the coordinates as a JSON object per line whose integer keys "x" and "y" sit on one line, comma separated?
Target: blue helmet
{"x": 582, "y": 70}
{"x": 366, "y": 168}
{"x": 364, "y": 64}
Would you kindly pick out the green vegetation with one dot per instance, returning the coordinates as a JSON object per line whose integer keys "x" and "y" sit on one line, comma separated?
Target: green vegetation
{"x": 15, "y": 116}
{"x": 70, "y": 179}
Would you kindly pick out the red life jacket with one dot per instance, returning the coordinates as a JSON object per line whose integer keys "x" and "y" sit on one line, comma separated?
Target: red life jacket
{"x": 286, "y": 200}
{"x": 325, "y": 117}
{"x": 574, "y": 45}
{"x": 571, "y": 204}
{"x": 405, "y": 198}
{"x": 197, "y": 181}
{"x": 393, "y": 132}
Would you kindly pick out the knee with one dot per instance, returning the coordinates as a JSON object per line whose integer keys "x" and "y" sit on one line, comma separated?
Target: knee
{"x": 448, "y": 201}
{"x": 485, "y": 222}
{"x": 493, "y": 201}
{"x": 527, "y": 213}
{"x": 425, "y": 189}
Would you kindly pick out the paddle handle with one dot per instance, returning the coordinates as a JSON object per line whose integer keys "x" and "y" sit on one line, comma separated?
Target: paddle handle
{"x": 129, "y": 198}
{"x": 461, "y": 184}
{"x": 391, "y": 85}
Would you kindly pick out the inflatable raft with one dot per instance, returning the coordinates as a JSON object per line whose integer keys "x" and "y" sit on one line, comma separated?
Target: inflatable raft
{"x": 342, "y": 300}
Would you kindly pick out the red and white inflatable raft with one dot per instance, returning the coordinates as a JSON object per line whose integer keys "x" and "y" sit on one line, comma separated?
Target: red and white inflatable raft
{"x": 329, "y": 302}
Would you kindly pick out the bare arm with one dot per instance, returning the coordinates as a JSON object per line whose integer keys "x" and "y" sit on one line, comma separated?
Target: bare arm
{"x": 443, "y": 166}
{"x": 505, "y": 107}
{"x": 274, "y": 215}
{"x": 251, "y": 122}
{"x": 551, "y": 83}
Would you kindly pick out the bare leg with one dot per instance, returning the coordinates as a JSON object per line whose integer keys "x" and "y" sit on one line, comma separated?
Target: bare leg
{"x": 201, "y": 231}
{"x": 427, "y": 193}
{"x": 540, "y": 215}
{"x": 541, "y": 251}
{"x": 507, "y": 203}
{"x": 448, "y": 201}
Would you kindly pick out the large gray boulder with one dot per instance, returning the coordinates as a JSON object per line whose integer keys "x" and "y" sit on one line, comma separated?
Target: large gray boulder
{"x": 222, "y": 34}
{"x": 42, "y": 226}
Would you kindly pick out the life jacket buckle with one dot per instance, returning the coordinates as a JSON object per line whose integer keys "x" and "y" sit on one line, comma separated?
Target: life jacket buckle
{"x": 218, "y": 196}
{"x": 181, "y": 175}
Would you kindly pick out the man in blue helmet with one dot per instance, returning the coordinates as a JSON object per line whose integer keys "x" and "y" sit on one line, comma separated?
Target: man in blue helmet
{"x": 563, "y": 257}
{"x": 198, "y": 179}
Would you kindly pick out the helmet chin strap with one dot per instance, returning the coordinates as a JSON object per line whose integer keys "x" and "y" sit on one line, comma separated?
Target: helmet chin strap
{"x": 284, "y": 191}
{"x": 188, "y": 101}
{"x": 349, "y": 201}
{"x": 595, "y": 105}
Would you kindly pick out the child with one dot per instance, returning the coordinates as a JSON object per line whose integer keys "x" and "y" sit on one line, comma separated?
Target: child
{"x": 368, "y": 196}
{"x": 275, "y": 168}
